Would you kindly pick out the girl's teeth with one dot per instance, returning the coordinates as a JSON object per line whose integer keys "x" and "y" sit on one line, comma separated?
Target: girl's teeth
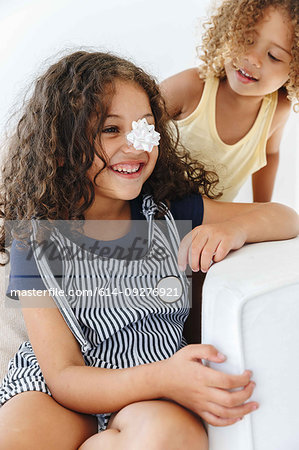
{"x": 246, "y": 74}
{"x": 126, "y": 169}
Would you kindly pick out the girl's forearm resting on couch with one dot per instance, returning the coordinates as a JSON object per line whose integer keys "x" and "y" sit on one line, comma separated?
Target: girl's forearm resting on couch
{"x": 269, "y": 221}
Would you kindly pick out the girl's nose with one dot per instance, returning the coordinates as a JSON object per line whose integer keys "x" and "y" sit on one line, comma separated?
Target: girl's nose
{"x": 127, "y": 147}
{"x": 254, "y": 58}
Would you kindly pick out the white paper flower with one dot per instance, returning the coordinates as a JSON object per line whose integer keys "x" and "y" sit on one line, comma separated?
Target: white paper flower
{"x": 143, "y": 136}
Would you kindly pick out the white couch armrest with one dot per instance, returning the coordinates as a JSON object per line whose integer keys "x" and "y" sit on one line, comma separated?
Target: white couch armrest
{"x": 250, "y": 313}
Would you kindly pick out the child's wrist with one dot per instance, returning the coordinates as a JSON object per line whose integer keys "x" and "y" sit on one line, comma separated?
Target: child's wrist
{"x": 147, "y": 381}
{"x": 157, "y": 378}
{"x": 242, "y": 228}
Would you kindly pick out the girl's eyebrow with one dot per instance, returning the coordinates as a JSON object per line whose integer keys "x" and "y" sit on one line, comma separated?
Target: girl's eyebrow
{"x": 274, "y": 43}
{"x": 120, "y": 117}
{"x": 281, "y": 48}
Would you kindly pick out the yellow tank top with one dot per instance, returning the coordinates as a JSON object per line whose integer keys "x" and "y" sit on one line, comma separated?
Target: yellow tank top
{"x": 232, "y": 163}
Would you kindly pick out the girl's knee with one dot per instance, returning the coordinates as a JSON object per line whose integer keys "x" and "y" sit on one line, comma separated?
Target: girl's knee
{"x": 107, "y": 440}
{"x": 163, "y": 423}
{"x": 10, "y": 442}
{"x": 34, "y": 420}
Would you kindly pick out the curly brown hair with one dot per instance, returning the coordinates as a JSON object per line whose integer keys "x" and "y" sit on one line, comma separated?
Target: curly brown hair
{"x": 227, "y": 31}
{"x": 45, "y": 172}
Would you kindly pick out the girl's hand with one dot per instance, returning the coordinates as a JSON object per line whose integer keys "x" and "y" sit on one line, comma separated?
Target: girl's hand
{"x": 207, "y": 391}
{"x": 209, "y": 243}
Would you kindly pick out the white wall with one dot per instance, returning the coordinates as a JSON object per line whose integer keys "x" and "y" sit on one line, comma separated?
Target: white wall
{"x": 160, "y": 35}
{"x": 286, "y": 189}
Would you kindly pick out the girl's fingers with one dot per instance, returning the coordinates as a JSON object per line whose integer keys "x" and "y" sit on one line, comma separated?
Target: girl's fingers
{"x": 195, "y": 250}
{"x": 211, "y": 377}
{"x": 204, "y": 351}
{"x": 231, "y": 413}
{"x": 183, "y": 251}
{"x": 207, "y": 254}
{"x": 198, "y": 249}
{"x": 190, "y": 249}
{"x": 231, "y": 399}
{"x": 217, "y": 421}
{"x": 221, "y": 252}
{"x": 214, "y": 378}
{"x": 206, "y": 243}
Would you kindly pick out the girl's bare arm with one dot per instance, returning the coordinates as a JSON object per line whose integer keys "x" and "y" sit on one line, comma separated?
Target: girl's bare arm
{"x": 89, "y": 390}
{"x": 264, "y": 179}
{"x": 260, "y": 221}
{"x": 182, "y": 93}
{"x": 71, "y": 382}
{"x": 228, "y": 226}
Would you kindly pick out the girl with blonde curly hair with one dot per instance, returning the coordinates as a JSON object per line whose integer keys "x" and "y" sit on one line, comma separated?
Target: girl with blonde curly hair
{"x": 231, "y": 111}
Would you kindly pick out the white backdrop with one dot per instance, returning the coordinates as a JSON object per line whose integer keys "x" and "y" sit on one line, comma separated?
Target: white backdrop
{"x": 159, "y": 35}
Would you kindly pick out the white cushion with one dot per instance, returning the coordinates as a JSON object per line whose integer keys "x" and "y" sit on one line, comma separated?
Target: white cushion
{"x": 251, "y": 314}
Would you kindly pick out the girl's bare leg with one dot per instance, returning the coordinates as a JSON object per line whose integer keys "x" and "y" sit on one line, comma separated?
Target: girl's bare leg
{"x": 35, "y": 421}
{"x": 151, "y": 425}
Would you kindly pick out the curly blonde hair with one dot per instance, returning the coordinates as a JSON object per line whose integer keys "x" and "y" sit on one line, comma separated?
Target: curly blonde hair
{"x": 226, "y": 34}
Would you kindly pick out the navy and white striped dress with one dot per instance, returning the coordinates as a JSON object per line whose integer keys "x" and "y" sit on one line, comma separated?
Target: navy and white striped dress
{"x": 135, "y": 325}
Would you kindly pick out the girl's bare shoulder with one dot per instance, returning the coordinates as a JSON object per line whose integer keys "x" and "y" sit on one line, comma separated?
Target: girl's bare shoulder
{"x": 282, "y": 111}
{"x": 182, "y": 92}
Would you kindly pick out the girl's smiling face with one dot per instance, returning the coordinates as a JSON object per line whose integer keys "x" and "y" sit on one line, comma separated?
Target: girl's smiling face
{"x": 127, "y": 168}
{"x": 265, "y": 66}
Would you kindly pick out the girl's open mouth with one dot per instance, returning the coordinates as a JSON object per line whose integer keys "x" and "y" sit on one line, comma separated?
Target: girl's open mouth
{"x": 127, "y": 170}
{"x": 245, "y": 77}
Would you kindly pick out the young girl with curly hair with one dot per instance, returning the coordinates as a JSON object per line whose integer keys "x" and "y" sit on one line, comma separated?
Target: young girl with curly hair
{"x": 106, "y": 350}
{"x": 231, "y": 111}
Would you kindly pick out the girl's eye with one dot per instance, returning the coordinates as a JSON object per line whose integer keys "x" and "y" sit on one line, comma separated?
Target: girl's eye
{"x": 273, "y": 57}
{"x": 110, "y": 130}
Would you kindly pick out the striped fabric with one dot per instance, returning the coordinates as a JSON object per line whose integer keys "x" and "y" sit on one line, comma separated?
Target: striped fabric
{"x": 121, "y": 321}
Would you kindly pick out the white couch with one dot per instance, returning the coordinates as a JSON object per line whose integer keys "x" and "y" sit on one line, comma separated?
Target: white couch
{"x": 251, "y": 314}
